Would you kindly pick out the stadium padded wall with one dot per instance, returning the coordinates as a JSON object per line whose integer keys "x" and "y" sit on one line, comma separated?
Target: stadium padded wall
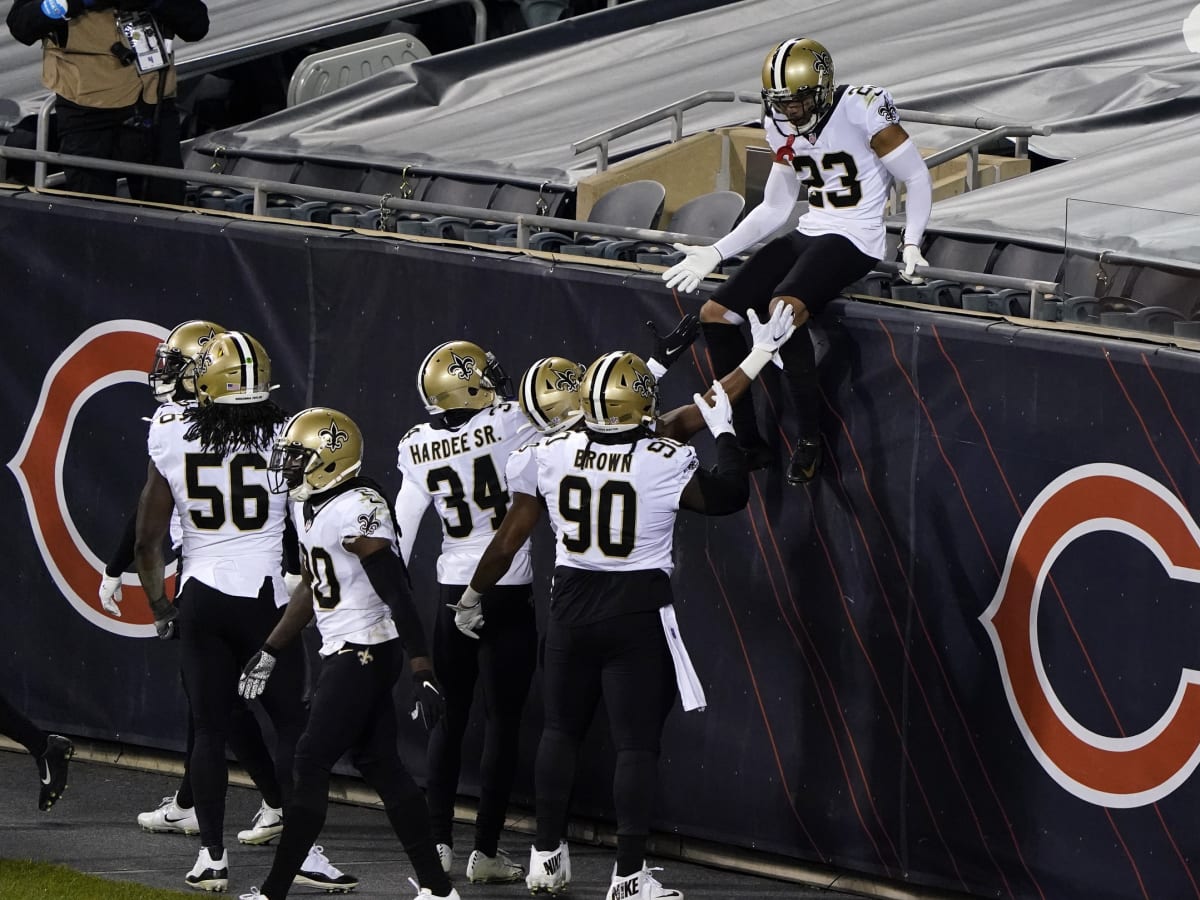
{"x": 963, "y": 657}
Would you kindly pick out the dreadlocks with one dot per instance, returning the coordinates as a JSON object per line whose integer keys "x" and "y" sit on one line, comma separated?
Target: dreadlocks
{"x": 223, "y": 428}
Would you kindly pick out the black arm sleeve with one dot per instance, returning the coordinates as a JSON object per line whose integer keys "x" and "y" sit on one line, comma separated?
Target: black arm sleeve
{"x": 291, "y": 546}
{"x": 122, "y": 557}
{"x": 724, "y": 490}
{"x": 388, "y": 577}
{"x": 186, "y": 19}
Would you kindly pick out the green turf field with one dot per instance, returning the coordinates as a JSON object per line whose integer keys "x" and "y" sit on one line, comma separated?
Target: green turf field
{"x": 41, "y": 881}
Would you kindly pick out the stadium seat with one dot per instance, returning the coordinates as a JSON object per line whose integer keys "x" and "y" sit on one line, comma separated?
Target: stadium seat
{"x": 635, "y": 204}
{"x": 1175, "y": 288}
{"x": 1158, "y": 319}
{"x": 709, "y": 215}
{"x": 1080, "y": 308}
{"x": 515, "y": 198}
{"x": 327, "y": 70}
{"x": 379, "y": 182}
{"x": 453, "y": 192}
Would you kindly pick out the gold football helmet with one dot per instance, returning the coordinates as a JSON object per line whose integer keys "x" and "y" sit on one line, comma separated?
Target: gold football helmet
{"x": 453, "y": 376}
{"x": 234, "y": 369}
{"x": 619, "y": 393}
{"x": 797, "y": 79}
{"x": 549, "y": 394}
{"x": 318, "y": 449}
{"x": 176, "y": 356}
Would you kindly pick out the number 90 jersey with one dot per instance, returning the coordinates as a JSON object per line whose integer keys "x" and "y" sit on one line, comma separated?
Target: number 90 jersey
{"x": 613, "y": 506}
{"x": 462, "y": 469}
{"x": 346, "y": 605}
{"x": 232, "y": 523}
{"x": 846, "y": 182}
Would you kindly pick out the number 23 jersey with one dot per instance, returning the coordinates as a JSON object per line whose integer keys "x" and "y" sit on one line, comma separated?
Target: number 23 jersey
{"x": 612, "y": 506}
{"x": 232, "y": 523}
{"x": 847, "y": 183}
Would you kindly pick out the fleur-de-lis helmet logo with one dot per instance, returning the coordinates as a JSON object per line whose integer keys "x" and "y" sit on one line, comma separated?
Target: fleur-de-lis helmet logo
{"x": 643, "y": 384}
{"x": 463, "y": 366}
{"x": 206, "y": 339}
{"x": 566, "y": 380}
{"x": 822, "y": 62}
{"x": 333, "y": 437}
{"x": 369, "y": 524}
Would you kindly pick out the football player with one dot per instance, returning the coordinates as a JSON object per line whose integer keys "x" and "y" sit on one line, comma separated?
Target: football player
{"x": 170, "y": 379}
{"x": 549, "y": 390}
{"x": 457, "y": 461}
{"x": 612, "y": 491}
{"x": 356, "y": 586}
{"x": 209, "y": 463}
{"x": 844, "y": 146}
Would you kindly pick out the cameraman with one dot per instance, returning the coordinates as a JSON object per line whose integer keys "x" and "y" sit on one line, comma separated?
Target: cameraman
{"x": 111, "y": 65}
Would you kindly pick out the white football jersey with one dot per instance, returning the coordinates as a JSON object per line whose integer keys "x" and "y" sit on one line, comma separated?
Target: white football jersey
{"x": 348, "y": 610}
{"x": 232, "y": 523}
{"x": 847, "y": 184}
{"x": 612, "y": 506}
{"x": 169, "y": 409}
{"x": 463, "y": 470}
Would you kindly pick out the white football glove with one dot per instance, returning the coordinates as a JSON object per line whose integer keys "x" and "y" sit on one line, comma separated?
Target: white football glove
{"x": 291, "y": 581}
{"x": 719, "y": 416}
{"x": 257, "y": 671}
{"x": 911, "y": 254}
{"x": 698, "y": 262}
{"x": 110, "y": 594}
{"x": 773, "y": 333}
{"x": 468, "y": 613}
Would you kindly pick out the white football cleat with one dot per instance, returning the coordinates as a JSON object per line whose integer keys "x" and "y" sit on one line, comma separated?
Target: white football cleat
{"x": 446, "y": 856}
{"x": 317, "y": 871}
{"x": 640, "y": 886}
{"x": 498, "y": 869}
{"x": 427, "y": 893}
{"x": 209, "y": 874}
{"x": 549, "y": 871}
{"x": 169, "y": 818}
{"x": 267, "y": 825}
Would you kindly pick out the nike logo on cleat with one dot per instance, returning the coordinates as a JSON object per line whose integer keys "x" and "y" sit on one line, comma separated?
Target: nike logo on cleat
{"x": 553, "y": 864}
{"x": 46, "y": 777}
{"x": 626, "y": 890}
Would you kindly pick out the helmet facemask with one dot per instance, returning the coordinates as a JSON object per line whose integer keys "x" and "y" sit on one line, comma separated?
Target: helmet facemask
{"x": 797, "y": 79}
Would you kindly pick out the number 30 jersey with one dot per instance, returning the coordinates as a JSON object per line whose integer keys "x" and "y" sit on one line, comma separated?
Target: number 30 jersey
{"x": 612, "y": 506}
{"x": 347, "y": 608}
{"x": 232, "y": 523}
{"x": 462, "y": 469}
{"x": 847, "y": 183}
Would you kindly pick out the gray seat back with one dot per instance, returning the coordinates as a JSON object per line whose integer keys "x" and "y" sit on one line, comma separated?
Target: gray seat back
{"x": 329, "y": 70}
{"x": 709, "y": 215}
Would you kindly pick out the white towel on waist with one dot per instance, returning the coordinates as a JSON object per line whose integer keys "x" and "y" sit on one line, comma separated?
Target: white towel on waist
{"x": 691, "y": 692}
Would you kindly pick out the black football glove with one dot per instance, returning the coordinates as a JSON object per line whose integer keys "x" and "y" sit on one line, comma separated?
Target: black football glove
{"x": 428, "y": 702}
{"x": 669, "y": 347}
{"x": 500, "y": 380}
{"x": 255, "y": 674}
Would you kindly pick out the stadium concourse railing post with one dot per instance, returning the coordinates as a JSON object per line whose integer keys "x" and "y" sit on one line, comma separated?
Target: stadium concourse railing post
{"x": 526, "y": 223}
{"x": 195, "y": 66}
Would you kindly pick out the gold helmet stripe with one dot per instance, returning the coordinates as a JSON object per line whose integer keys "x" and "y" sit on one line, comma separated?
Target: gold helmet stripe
{"x": 779, "y": 63}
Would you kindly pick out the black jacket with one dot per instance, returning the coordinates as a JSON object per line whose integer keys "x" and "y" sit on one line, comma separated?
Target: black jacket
{"x": 185, "y": 19}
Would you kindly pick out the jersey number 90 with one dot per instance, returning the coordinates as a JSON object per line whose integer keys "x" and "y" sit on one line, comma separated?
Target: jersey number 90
{"x": 582, "y": 507}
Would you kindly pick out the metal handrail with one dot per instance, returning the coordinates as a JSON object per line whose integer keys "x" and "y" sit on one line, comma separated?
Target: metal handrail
{"x": 984, "y": 279}
{"x": 202, "y": 65}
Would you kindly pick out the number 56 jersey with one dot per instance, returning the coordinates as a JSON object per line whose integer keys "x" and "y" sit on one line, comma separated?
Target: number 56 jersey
{"x": 612, "y": 506}
{"x": 232, "y": 523}
{"x": 462, "y": 471}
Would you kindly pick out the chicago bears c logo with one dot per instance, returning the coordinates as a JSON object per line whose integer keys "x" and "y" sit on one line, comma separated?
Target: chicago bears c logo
{"x": 1109, "y": 771}
{"x": 82, "y": 370}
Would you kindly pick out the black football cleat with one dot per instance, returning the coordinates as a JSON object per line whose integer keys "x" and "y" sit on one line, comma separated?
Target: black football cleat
{"x": 806, "y": 460}
{"x": 52, "y": 769}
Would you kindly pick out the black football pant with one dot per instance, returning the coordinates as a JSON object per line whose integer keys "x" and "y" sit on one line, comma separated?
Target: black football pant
{"x": 246, "y": 741}
{"x": 219, "y": 634}
{"x": 353, "y": 709}
{"x": 814, "y": 269}
{"x": 626, "y": 661}
{"x": 503, "y": 660}
{"x": 132, "y": 134}
{"x": 16, "y": 725}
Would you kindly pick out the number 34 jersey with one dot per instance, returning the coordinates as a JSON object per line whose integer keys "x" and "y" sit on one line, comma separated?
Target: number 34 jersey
{"x": 612, "y": 506}
{"x": 346, "y": 605}
{"x": 462, "y": 470}
{"x": 846, "y": 181}
{"x": 232, "y": 523}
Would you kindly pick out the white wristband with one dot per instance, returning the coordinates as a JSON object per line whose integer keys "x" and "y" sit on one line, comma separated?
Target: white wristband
{"x": 657, "y": 369}
{"x": 754, "y": 362}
